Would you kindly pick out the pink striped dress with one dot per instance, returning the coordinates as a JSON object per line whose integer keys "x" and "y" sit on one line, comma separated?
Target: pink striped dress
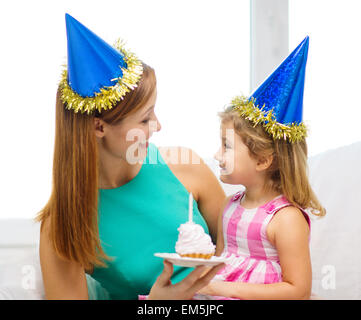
{"x": 251, "y": 257}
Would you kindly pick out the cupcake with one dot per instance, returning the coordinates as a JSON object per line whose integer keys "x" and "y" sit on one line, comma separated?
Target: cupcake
{"x": 193, "y": 242}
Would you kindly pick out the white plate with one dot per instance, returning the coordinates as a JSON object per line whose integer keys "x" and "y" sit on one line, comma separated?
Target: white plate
{"x": 190, "y": 262}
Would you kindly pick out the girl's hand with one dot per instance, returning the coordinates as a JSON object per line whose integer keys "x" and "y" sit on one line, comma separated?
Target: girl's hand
{"x": 163, "y": 289}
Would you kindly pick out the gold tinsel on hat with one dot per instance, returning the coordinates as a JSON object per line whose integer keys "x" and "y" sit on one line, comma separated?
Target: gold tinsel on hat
{"x": 108, "y": 96}
{"x": 247, "y": 109}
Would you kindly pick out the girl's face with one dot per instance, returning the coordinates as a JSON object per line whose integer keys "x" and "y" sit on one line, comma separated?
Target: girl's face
{"x": 237, "y": 166}
{"x": 128, "y": 139}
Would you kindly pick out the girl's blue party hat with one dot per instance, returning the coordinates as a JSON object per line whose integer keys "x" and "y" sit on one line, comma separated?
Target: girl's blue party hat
{"x": 278, "y": 102}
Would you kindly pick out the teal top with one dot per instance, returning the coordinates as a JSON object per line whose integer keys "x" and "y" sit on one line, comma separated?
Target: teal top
{"x": 137, "y": 220}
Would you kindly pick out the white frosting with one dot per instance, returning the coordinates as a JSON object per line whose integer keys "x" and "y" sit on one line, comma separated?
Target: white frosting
{"x": 193, "y": 239}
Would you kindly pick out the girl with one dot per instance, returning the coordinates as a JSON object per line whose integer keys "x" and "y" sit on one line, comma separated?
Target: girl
{"x": 108, "y": 214}
{"x": 264, "y": 231}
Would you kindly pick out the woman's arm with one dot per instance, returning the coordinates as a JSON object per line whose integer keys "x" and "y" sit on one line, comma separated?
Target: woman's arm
{"x": 63, "y": 280}
{"x": 291, "y": 240}
{"x": 220, "y": 238}
{"x": 211, "y": 197}
{"x": 199, "y": 179}
{"x": 210, "y": 194}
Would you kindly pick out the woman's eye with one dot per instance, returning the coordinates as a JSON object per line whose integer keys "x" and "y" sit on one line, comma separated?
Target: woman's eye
{"x": 145, "y": 121}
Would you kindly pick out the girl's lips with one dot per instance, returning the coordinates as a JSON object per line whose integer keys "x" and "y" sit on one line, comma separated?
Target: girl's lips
{"x": 223, "y": 171}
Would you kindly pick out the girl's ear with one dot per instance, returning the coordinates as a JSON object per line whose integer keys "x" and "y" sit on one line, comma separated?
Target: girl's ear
{"x": 264, "y": 163}
{"x": 99, "y": 127}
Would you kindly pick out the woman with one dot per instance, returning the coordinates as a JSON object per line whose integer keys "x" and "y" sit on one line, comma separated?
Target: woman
{"x": 117, "y": 199}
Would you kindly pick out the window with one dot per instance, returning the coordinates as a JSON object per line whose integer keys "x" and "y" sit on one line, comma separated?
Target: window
{"x": 331, "y": 97}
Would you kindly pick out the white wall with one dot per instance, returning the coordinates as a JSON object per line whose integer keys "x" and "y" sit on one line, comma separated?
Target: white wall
{"x": 199, "y": 49}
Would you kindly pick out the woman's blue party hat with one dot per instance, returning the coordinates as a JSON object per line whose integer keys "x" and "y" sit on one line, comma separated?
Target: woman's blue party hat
{"x": 278, "y": 101}
{"x": 97, "y": 75}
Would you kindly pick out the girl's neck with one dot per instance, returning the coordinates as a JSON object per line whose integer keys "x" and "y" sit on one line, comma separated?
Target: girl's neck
{"x": 256, "y": 196}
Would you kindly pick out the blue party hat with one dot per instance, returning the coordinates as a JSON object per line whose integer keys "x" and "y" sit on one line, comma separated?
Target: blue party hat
{"x": 97, "y": 75}
{"x": 278, "y": 101}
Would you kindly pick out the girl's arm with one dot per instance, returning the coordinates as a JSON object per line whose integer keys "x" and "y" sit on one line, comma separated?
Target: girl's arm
{"x": 291, "y": 240}
{"x": 63, "y": 280}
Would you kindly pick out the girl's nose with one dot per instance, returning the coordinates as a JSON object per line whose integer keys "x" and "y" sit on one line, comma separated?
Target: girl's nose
{"x": 218, "y": 155}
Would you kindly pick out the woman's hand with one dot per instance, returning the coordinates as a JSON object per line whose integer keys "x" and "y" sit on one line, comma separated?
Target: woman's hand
{"x": 163, "y": 289}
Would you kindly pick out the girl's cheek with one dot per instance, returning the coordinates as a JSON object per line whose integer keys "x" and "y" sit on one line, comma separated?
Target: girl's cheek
{"x": 230, "y": 162}
{"x": 228, "y": 155}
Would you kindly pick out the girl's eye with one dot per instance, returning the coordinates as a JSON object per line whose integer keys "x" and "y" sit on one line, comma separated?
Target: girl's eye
{"x": 226, "y": 146}
{"x": 145, "y": 121}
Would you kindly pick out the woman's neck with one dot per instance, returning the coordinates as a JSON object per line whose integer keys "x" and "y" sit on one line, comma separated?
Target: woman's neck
{"x": 115, "y": 172}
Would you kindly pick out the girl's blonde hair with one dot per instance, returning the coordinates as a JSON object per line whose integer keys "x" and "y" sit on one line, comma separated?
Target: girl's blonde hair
{"x": 72, "y": 209}
{"x": 288, "y": 172}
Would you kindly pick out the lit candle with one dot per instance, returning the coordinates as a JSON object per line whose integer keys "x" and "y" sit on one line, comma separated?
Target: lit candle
{"x": 190, "y": 208}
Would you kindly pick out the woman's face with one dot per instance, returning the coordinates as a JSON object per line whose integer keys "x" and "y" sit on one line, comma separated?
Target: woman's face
{"x": 128, "y": 139}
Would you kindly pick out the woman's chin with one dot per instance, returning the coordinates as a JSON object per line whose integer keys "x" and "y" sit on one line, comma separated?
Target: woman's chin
{"x": 141, "y": 152}
{"x": 138, "y": 155}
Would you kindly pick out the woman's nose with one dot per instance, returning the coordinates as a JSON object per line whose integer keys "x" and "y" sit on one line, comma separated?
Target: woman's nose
{"x": 158, "y": 126}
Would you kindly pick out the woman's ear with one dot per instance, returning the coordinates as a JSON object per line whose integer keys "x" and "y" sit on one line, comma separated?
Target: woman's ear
{"x": 264, "y": 163}
{"x": 99, "y": 127}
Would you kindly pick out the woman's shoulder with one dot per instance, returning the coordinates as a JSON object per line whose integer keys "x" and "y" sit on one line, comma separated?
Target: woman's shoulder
{"x": 180, "y": 155}
{"x": 184, "y": 161}
{"x": 190, "y": 169}
{"x": 187, "y": 161}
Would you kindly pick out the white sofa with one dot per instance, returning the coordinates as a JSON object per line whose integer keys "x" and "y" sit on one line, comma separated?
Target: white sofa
{"x": 336, "y": 257}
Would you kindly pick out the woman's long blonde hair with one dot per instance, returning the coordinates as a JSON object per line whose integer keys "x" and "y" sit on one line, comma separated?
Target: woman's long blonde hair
{"x": 288, "y": 173}
{"x": 72, "y": 209}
